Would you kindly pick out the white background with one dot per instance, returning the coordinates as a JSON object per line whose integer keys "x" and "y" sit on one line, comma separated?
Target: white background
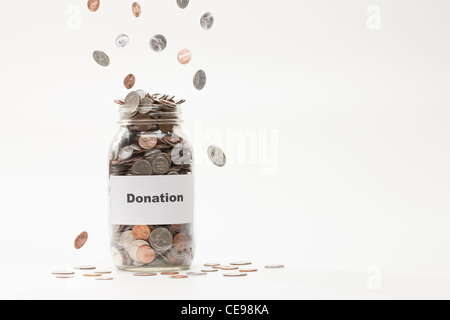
{"x": 355, "y": 201}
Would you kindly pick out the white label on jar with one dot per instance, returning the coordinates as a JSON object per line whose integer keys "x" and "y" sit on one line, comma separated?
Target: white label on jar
{"x": 152, "y": 200}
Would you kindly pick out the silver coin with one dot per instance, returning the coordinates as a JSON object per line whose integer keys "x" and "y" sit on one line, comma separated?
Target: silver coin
{"x": 182, "y": 4}
{"x": 125, "y": 153}
{"x": 217, "y": 156}
{"x": 161, "y": 165}
{"x": 133, "y": 100}
{"x": 274, "y": 266}
{"x": 207, "y": 21}
{"x": 196, "y": 273}
{"x": 235, "y": 274}
{"x": 122, "y": 40}
{"x": 142, "y": 168}
{"x": 158, "y": 43}
{"x": 101, "y": 58}
{"x": 240, "y": 263}
{"x": 210, "y": 270}
{"x": 104, "y": 278}
{"x": 84, "y": 267}
{"x": 161, "y": 239}
{"x": 200, "y": 80}
{"x": 126, "y": 239}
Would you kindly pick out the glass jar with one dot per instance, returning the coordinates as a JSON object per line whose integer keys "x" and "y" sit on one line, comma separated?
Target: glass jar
{"x": 151, "y": 187}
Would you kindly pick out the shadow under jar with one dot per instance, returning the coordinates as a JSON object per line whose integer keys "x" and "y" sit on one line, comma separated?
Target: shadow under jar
{"x": 151, "y": 187}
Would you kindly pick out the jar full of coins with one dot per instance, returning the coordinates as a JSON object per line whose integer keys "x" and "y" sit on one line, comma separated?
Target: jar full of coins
{"x": 151, "y": 186}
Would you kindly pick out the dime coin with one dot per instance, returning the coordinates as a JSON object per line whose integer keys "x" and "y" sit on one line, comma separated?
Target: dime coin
{"x": 129, "y": 81}
{"x": 182, "y": 4}
{"x": 178, "y": 277}
{"x": 200, "y": 80}
{"x": 234, "y": 275}
{"x": 217, "y": 156}
{"x": 207, "y": 21}
{"x": 126, "y": 239}
{"x": 136, "y": 7}
{"x": 104, "y": 278}
{"x": 158, "y": 43}
{"x": 142, "y": 168}
{"x": 122, "y": 40}
{"x": 93, "y": 5}
{"x": 101, "y": 58}
{"x": 81, "y": 240}
{"x": 132, "y": 100}
{"x": 248, "y": 270}
{"x": 161, "y": 165}
{"x": 144, "y": 274}
{"x": 148, "y": 142}
{"x": 240, "y": 263}
{"x": 125, "y": 153}
{"x": 145, "y": 254}
{"x": 196, "y": 273}
{"x": 141, "y": 232}
{"x": 210, "y": 270}
{"x": 274, "y": 266}
{"x": 184, "y": 56}
{"x": 161, "y": 239}
{"x": 211, "y": 264}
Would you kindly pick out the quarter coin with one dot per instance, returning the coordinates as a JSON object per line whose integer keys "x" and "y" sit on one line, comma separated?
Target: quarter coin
{"x": 145, "y": 274}
{"x": 211, "y": 264}
{"x": 125, "y": 153}
{"x": 207, "y": 21}
{"x": 274, "y": 266}
{"x": 217, "y": 156}
{"x": 161, "y": 239}
{"x": 200, "y": 80}
{"x": 210, "y": 270}
{"x": 158, "y": 43}
{"x": 240, "y": 263}
{"x": 182, "y": 4}
{"x": 142, "y": 168}
{"x": 235, "y": 274}
{"x": 101, "y": 58}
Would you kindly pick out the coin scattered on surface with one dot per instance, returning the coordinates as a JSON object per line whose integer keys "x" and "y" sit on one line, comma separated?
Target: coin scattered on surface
{"x": 240, "y": 263}
{"x": 217, "y": 156}
{"x": 64, "y": 277}
{"x": 104, "y": 278}
{"x": 122, "y": 40}
{"x": 196, "y": 274}
{"x": 145, "y": 274}
{"x": 158, "y": 43}
{"x": 63, "y": 273}
{"x": 207, "y": 21}
{"x": 210, "y": 270}
{"x": 179, "y": 277}
{"x": 211, "y": 264}
{"x": 182, "y": 4}
{"x": 103, "y": 272}
{"x": 136, "y": 7}
{"x": 129, "y": 81}
{"x": 248, "y": 270}
{"x": 170, "y": 273}
{"x": 92, "y": 275}
{"x": 101, "y": 58}
{"x": 85, "y": 267}
{"x": 93, "y": 5}
{"x": 81, "y": 240}
{"x": 228, "y": 268}
{"x": 274, "y": 266}
{"x": 200, "y": 80}
{"x": 236, "y": 274}
{"x": 185, "y": 56}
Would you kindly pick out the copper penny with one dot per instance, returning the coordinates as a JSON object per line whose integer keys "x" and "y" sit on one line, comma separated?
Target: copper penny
{"x": 103, "y": 272}
{"x": 81, "y": 240}
{"x": 248, "y": 270}
{"x": 130, "y": 81}
{"x": 64, "y": 277}
{"x": 92, "y": 275}
{"x": 148, "y": 142}
{"x": 136, "y": 9}
{"x": 145, "y": 254}
{"x": 169, "y": 273}
{"x": 181, "y": 242}
{"x": 93, "y": 5}
{"x": 141, "y": 232}
{"x": 184, "y": 56}
{"x": 178, "y": 277}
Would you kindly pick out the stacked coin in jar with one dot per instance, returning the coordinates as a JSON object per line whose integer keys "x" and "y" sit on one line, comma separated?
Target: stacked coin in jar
{"x": 151, "y": 144}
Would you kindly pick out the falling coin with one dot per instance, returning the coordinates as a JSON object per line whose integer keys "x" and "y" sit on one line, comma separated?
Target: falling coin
{"x": 136, "y": 9}
{"x": 185, "y": 56}
{"x": 234, "y": 274}
{"x": 200, "y": 80}
{"x": 101, "y": 58}
{"x": 93, "y": 5}
{"x": 130, "y": 81}
{"x": 178, "y": 277}
{"x": 145, "y": 274}
{"x": 207, "y": 21}
{"x": 182, "y": 4}
{"x": 122, "y": 40}
{"x": 81, "y": 240}
{"x": 217, "y": 156}
{"x": 158, "y": 43}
